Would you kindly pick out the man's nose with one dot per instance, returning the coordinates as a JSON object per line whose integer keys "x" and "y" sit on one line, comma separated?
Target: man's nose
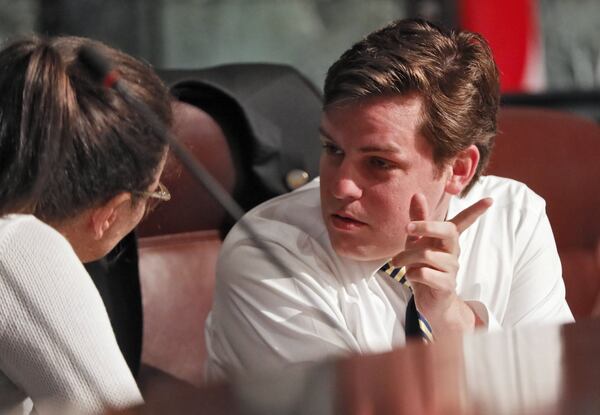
{"x": 346, "y": 184}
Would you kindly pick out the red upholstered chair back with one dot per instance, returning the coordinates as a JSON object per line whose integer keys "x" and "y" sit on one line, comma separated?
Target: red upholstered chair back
{"x": 557, "y": 154}
{"x": 178, "y": 247}
{"x": 192, "y": 208}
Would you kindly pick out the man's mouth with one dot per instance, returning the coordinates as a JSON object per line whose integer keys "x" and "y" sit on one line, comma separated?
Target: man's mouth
{"x": 345, "y": 222}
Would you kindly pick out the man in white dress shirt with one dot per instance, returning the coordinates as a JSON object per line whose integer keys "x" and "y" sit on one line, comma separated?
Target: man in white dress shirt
{"x": 408, "y": 125}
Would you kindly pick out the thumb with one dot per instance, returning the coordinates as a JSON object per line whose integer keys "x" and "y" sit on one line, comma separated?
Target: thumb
{"x": 418, "y": 207}
{"x": 418, "y": 211}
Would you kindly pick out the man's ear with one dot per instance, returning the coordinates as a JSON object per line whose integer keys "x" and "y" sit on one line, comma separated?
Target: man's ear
{"x": 462, "y": 169}
{"x": 104, "y": 216}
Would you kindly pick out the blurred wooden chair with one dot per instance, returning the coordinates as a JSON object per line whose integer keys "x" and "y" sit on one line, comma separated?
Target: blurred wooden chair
{"x": 557, "y": 154}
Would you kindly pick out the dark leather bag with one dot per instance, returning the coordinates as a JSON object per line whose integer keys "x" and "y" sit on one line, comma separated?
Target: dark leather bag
{"x": 270, "y": 115}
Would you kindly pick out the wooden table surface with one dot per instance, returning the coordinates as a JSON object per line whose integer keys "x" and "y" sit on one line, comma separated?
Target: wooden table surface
{"x": 532, "y": 371}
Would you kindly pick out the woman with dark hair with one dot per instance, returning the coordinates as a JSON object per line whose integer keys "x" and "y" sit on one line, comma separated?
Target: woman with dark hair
{"x": 78, "y": 167}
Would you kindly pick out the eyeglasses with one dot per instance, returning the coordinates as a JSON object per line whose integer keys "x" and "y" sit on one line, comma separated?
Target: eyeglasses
{"x": 161, "y": 194}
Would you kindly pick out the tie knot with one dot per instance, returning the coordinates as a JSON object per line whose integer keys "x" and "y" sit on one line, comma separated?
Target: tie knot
{"x": 415, "y": 323}
{"x": 397, "y": 273}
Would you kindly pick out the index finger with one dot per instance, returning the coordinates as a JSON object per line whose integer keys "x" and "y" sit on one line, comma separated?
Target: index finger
{"x": 466, "y": 218}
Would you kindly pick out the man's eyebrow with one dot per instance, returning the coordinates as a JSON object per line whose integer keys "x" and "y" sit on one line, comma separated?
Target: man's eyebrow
{"x": 323, "y": 133}
{"x": 367, "y": 149}
{"x": 380, "y": 149}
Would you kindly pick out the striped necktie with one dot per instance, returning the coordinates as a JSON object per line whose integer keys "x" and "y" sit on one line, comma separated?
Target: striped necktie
{"x": 415, "y": 324}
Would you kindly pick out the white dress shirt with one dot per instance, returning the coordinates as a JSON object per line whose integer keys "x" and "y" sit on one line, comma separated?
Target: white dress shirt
{"x": 327, "y": 305}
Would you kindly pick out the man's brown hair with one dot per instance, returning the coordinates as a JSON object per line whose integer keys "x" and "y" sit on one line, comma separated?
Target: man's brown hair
{"x": 454, "y": 74}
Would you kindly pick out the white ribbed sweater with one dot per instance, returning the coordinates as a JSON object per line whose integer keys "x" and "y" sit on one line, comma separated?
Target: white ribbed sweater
{"x": 57, "y": 346}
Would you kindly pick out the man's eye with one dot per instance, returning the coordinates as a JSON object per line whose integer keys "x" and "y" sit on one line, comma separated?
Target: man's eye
{"x": 331, "y": 149}
{"x": 380, "y": 163}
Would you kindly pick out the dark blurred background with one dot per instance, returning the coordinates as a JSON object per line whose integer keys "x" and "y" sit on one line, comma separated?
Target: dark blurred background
{"x": 548, "y": 50}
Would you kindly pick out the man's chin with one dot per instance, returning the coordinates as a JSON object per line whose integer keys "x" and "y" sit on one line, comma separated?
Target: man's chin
{"x": 356, "y": 253}
{"x": 344, "y": 248}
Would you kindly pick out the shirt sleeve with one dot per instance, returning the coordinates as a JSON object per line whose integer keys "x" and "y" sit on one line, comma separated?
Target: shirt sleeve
{"x": 537, "y": 293}
{"x": 57, "y": 342}
{"x": 263, "y": 320}
{"x": 489, "y": 320}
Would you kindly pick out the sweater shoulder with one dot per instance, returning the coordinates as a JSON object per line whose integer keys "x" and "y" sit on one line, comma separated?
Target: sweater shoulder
{"x": 26, "y": 231}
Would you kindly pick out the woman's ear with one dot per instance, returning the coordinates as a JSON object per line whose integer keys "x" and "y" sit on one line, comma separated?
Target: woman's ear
{"x": 104, "y": 216}
{"x": 463, "y": 168}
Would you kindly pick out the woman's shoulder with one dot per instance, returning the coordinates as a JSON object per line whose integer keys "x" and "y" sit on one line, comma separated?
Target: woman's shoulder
{"x": 26, "y": 230}
{"x": 15, "y": 223}
{"x": 28, "y": 246}
{"x": 16, "y": 219}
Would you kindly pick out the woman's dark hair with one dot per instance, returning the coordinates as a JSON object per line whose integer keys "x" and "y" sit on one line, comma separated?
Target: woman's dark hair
{"x": 67, "y": 143}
